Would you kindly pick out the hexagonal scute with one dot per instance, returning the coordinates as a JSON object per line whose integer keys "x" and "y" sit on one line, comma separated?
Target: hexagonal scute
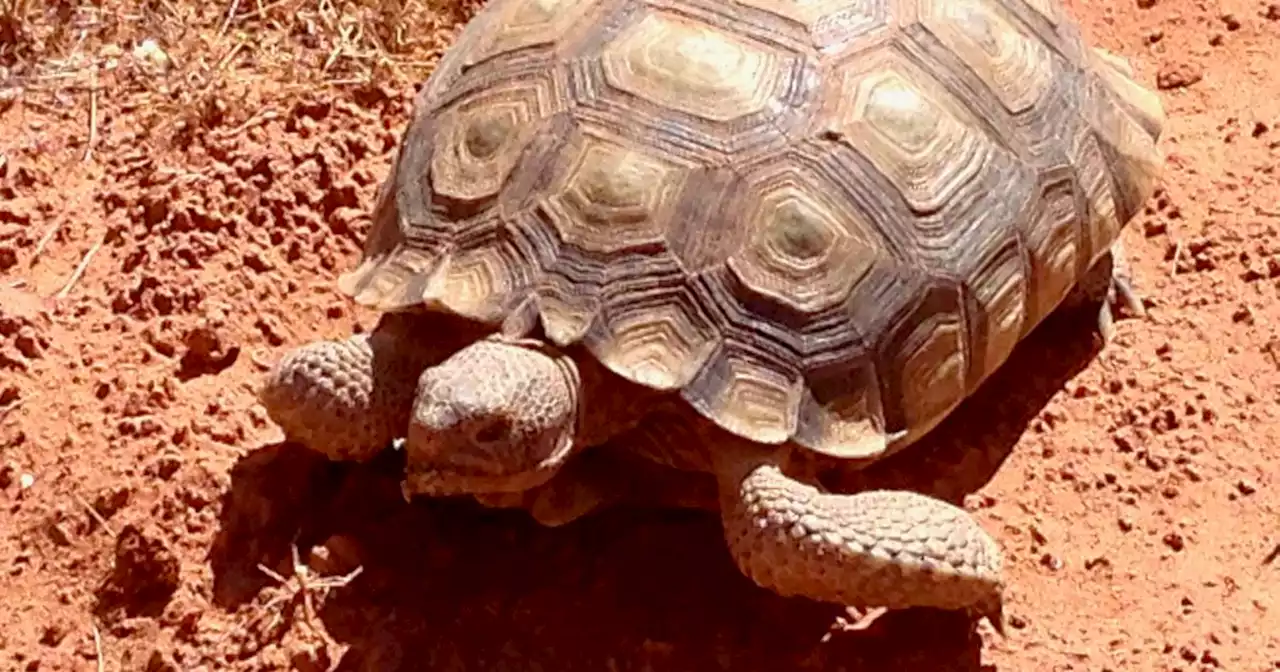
{"x": 804, "y": 248}
{"x": 1014, "y": 65}
{"x": 908, "y": 127}
{"x": 695, "y": 68}
{"x": 480, "y": 139}
{"x": 608, "y": 197}
{"x": 532, "y": 23}
{"x": 832, "y": 25}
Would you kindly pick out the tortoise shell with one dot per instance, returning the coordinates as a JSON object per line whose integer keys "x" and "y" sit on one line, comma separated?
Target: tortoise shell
{"x": 819, "y": 221}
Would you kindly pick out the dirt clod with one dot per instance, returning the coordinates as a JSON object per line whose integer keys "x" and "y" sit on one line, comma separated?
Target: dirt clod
{"x": 1179, "y": 75}
{"x": 144, "y": 576}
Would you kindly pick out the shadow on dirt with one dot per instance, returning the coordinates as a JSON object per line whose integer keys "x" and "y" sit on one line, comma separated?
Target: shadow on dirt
{"x": 448, "y": 585}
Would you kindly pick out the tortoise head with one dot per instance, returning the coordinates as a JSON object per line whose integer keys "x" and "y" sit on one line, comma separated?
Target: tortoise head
{"x": 497, "y": 416}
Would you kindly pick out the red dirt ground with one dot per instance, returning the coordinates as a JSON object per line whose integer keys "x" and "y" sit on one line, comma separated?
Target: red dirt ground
{"x": 212, "y": 188}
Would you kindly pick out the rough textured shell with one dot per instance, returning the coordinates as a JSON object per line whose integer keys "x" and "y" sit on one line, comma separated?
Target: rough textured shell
{"x": 820, "y": 220}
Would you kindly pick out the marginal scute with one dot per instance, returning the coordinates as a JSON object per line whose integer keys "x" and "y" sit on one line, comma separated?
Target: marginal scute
{"x": 1050, "y": 10}
{"x": 1100, "y": 221}
{"x": 927, "y": 356}
{"x": 909, "y": 134}
{"x": 1129, "y": 122}
{"x": 693, "y": 67}
{"x": 841, "y": 413}
{"x": 610, "y": 197}
{"x": 999, "y": 292}
{"x": 654, "y": 336}
{"x": 1014, "y": 66}
{"x": 804, "y": 250}
{"x": 485, "y": 275}
{"x": 745, "y": 393}
{"x": 393, "y": 281}
{"x": 566, "y": 307}
{"x": 1050, "y": 229}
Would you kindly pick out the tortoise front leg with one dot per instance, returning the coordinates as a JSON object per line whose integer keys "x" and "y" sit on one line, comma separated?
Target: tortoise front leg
{"x": 892, "y": 549}
{"x": 348, "y": 399}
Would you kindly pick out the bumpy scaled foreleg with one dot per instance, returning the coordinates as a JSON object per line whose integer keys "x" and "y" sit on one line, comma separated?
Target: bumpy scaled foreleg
{"x": 349, "y": 399}
{"x": 1108, "y": 283}
{"x": 892, "y": 549}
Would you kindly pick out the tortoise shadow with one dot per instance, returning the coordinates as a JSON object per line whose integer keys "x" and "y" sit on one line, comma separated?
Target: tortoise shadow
{"x": 449, "y": 585}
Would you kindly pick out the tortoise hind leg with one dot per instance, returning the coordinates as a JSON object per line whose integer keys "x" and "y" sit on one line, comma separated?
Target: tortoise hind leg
{"x": 1109, "y": 283}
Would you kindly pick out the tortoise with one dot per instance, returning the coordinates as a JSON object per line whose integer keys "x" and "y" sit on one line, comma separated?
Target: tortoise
{"x": 799, "y": 228}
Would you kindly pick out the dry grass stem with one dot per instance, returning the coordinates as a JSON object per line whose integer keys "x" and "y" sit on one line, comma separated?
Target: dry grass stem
{"x": 300, "y": 589}
{"x": 44, "y": 242}
{"x": 84, "y": 263}
{"x": 97, "y": 517}
{"x": 231, "y": 14}
{"x": 93, "y": 113}
{"x": 97, "y": 647}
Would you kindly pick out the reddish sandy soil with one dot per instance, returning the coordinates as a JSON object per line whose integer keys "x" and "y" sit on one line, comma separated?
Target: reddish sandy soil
{"x": 172, "y": 219}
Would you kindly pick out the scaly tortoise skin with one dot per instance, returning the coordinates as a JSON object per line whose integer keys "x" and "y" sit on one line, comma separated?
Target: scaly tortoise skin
{"x": 814, "y": 226}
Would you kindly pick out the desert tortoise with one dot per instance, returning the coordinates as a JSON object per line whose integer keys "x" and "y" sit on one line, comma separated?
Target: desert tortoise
{"x": 817, "y": 224}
